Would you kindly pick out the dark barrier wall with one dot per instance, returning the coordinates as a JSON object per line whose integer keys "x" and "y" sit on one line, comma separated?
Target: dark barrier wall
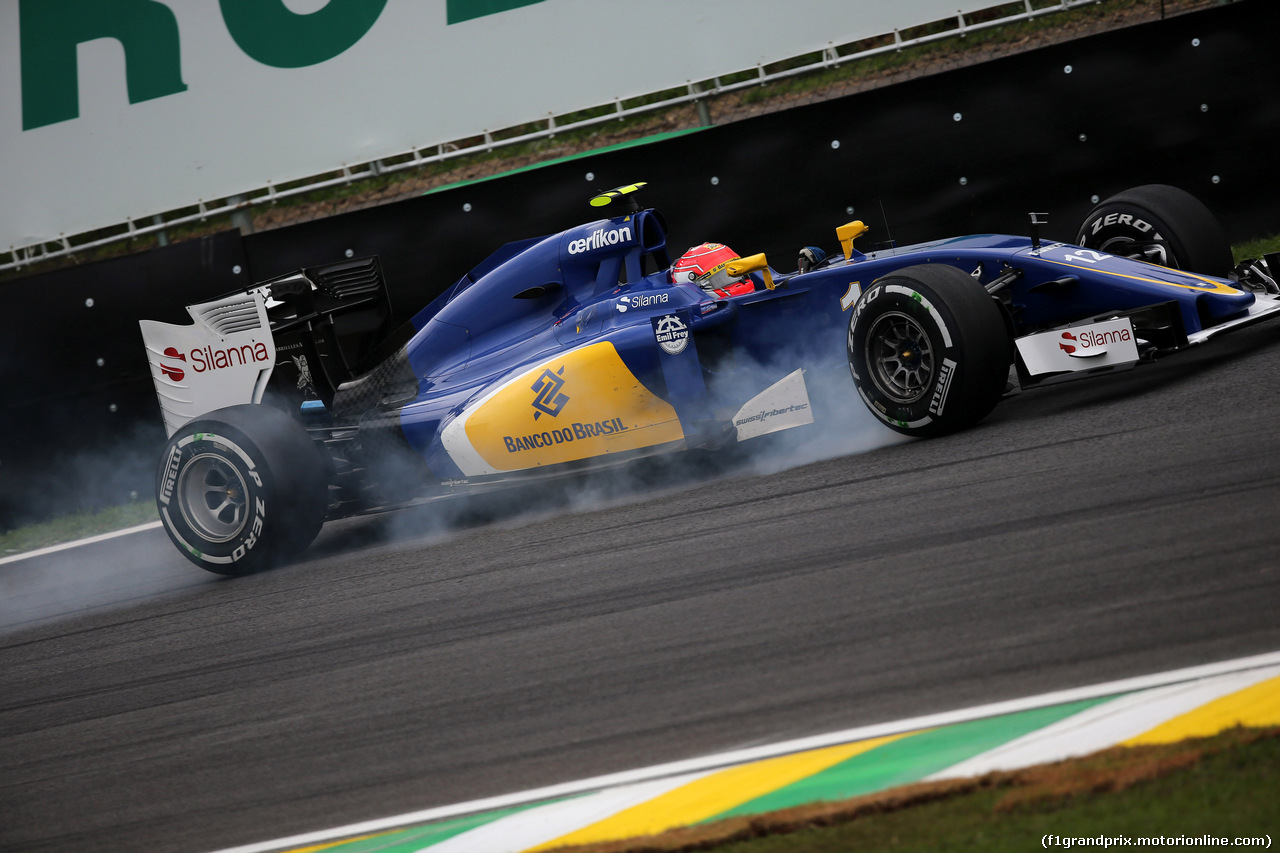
{"x": 1193, "y": 101}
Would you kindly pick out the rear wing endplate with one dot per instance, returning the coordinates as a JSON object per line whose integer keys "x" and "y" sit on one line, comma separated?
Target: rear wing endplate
{"x": 223, "y": 359}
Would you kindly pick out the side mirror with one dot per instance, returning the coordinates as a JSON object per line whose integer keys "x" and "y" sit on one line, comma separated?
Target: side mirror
{"x": 741, "y": 266}
{"x": 849, "y": 232}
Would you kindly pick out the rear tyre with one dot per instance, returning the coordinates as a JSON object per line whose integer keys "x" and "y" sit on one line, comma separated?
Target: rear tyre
{"x": 929, "y": 350}
{"x": 1160, "y": 224}
{"x": 241, "y": 489}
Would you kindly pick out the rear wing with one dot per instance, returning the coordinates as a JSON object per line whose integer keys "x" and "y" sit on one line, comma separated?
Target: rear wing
{"x": 223, "y": 359}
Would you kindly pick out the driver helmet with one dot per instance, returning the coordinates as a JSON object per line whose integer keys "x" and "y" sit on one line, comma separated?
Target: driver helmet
{"x": 704, "y": 265}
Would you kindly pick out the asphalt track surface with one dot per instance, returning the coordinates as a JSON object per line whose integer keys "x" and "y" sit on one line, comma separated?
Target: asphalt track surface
{"x": 1106, "y": 529}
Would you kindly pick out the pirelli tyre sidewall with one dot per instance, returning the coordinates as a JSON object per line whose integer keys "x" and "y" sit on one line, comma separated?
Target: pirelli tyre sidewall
{"x": 241, "y": 489}
{"x": 928, "y": 350}
{"x": 1165, "y": 224}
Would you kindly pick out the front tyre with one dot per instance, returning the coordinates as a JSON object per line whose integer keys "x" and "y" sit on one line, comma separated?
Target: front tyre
{"x": 241, "y": 489}
{"x": 1160, "y": 224}
{"x": 928, "y": 350}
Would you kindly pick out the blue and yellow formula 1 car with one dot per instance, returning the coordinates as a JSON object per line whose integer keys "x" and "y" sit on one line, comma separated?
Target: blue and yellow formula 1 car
{"x": 294, "y": 401}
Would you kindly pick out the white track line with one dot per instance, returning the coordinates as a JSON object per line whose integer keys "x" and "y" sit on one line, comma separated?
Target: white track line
{"x": 65, "y": 546}
{"x": 742, "y": 756}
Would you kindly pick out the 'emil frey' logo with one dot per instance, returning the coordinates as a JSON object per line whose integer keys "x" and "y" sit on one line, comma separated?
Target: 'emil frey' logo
{"x": 672, "y": 334}
{"x": 549, "y": 400}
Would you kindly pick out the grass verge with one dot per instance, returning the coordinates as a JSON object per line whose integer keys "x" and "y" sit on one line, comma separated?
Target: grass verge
{"x": 1256, "y": 248}
{"x": 78, "y": 526}
{"x": 1227, "y": 786}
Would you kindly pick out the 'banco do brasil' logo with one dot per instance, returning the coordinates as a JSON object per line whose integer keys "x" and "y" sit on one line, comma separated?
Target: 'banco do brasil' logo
{"x": 549, "y": 400}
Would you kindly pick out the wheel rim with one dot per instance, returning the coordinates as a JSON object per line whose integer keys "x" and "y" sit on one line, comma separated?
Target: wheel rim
{"x": 212, "y": 496}
{"x": 900, "y": 357}
{"x": 1152, "y": 251}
